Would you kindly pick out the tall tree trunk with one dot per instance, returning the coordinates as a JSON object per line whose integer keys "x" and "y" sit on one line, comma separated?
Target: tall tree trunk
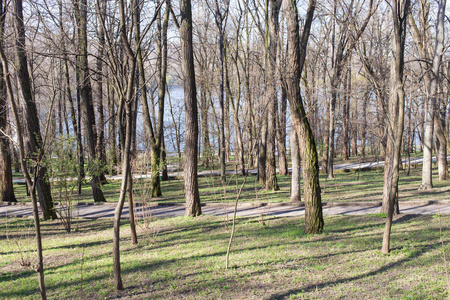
{"x": 6, "y": 184}
{"x": 353, "y": 110}
{"x": 162, "y": 70}
{"x": 272, "y": 83}
{"x": 262, "y": 155}
{"x": 206, "y": 154}
{"x": 346, "y": 118}
{"x": 112, "y": 130}
{"x": 431, "y": 77}
{"x": 87, "y": 101}
{"x": 235, "y": 108}
{"x": 310, "y": 165}
{"x": 101, "y": 148}
{"x": 127, "y": 102}
{"x": 281, "y": 135}
{"x": 400, "y": 10}
{"x": 219, "y": 19}
{"x": 364, "y": 124}
{"x": 193, "y": 208}
{"x": 442, "y": 148}
{"x": 34, "y": 132}
{"x": 31, "y": 184}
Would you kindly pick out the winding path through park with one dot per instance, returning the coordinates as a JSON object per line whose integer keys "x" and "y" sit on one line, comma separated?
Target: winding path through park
{"x": 106, "y": 210}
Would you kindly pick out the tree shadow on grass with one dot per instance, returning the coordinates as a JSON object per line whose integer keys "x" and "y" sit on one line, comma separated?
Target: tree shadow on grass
{"x": 313, "y": 287}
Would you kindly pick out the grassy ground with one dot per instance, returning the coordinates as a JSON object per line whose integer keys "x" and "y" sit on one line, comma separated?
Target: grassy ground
{"x": 185, "y": 258}
{"x": 346, "y": 187}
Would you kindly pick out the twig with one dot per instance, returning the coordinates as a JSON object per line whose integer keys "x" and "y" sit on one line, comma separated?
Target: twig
{"x": 234, "y": 223}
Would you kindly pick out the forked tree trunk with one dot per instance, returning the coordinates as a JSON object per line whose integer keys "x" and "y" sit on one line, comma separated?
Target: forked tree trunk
{"x": 126, "y": 101}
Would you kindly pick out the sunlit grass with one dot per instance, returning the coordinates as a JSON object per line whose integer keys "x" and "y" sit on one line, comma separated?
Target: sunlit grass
{"x": 267, "y": 262}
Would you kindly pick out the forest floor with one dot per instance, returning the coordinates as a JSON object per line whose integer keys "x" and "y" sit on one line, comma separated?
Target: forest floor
{"x": 271, "y": 257}
{"x": 184, "y": 258}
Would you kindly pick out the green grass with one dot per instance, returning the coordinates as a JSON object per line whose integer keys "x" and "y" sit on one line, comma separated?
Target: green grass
{"x": 354, "y": 186}
{"x": 274, "y": 261}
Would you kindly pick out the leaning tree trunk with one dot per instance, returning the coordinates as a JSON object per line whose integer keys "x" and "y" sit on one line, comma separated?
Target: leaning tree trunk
{"x": 31, "y": 184}
{"x": 310, "y": 164}
{"x": 193, "y": 208}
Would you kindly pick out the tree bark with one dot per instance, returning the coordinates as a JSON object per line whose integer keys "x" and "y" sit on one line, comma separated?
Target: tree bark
{"x": 281, "y": 135}
{"x": 87, "y": 101}
{"x": 272, "y": 97}
{"x": 127, "y": 101}
{"x": 296, "y": 53}
{"x": 296, "y": 169}
{"x": 400, "y": 10}
{"x": 31, "y": 184}
{"x": 193, "y": 208}
{"x": 431, "y": 77}
{"x": 6, "y": 184}
{"x": 34, "y": 132}
{"x": 101, "y": 147}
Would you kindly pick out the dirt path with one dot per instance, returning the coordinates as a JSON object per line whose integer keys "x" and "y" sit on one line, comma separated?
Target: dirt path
{"x": 93, "y": 211}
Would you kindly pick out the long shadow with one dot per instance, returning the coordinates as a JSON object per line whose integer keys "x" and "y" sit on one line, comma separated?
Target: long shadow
{"x": 382, "y": 269}
{"x": 357, "y": 210}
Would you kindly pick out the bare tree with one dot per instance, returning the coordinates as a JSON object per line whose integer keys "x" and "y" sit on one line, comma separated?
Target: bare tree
{"x": 400, "y": 11}
{"x": 6, "y": 183}
{"x": 310, "y": 164}
{"x": 85, "y": 90}
{"x": 34, "y": 131}
{"x": 347, "y": 41}
{"x": 193, "y": 208}
{"x": 421, "y": 39}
